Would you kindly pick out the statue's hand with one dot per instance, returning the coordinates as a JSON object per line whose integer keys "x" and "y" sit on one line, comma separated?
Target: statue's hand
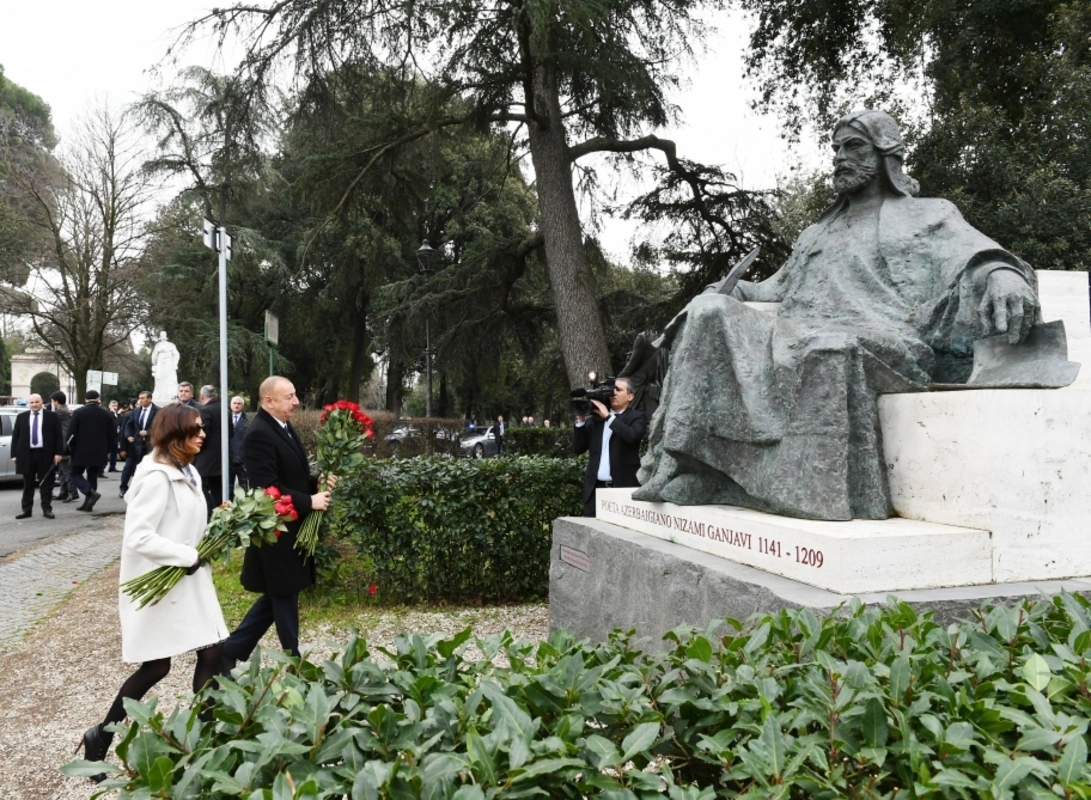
{"x": 1009, "y": 305}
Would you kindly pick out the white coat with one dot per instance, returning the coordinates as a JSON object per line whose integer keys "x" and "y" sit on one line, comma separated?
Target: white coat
{"x": 164, "y": 521}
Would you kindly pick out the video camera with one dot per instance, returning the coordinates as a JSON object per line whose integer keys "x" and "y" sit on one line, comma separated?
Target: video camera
{"x": 601, "y": 390}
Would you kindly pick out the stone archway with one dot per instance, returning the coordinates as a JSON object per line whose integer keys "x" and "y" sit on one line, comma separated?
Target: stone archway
{"x": 36, "y": 360}
{"x": 44, "y": 384}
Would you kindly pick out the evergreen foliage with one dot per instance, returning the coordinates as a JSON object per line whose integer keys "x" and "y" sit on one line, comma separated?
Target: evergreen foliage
{"x": 867, "y": 703}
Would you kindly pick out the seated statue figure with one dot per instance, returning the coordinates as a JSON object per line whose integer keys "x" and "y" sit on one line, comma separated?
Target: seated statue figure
{"x": 780, "y": 413}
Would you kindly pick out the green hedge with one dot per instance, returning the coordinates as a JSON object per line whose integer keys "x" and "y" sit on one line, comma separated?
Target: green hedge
{"x": 457, "y": 530}
{"x": 872, "y": 703}
{"x": 539, "y": 441}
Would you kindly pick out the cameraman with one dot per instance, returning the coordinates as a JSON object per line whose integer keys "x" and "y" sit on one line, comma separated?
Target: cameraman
{"x": 612, "y": 436}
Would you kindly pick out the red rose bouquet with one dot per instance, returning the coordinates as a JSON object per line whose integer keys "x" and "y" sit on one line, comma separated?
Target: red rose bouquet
{"x": 256, "y": 517}
{"x": 342, "y": 430}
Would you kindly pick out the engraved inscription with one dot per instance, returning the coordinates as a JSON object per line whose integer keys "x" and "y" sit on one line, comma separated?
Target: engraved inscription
{"x": 688, "y": 526}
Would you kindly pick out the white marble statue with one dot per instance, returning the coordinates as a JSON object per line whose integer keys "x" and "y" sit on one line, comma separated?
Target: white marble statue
{"x": 165, "y": 359}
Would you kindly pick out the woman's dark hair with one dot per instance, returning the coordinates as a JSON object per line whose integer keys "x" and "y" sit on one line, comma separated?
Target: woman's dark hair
{"x": 171, "y": 427}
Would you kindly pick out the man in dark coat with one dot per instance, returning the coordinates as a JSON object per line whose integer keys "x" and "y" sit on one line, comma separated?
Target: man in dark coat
{"x": 612, "y": 438}
{"x": 208, "y": 462}
{"x": 68, "y": 493}
{"x": 134, "y": 436}
{"x": 239, "y": 421}
{"x": 116, "y": 445}
{"x": 274, "y": 456}
{"x": 90, "y": 433}
{"x": 36, "y": 444}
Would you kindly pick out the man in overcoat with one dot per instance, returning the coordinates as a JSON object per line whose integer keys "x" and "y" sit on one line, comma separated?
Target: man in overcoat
{"x": 90, "y": 433}
{"x": 274, "y": 456}
{"x": 209, "y": 462}
{"x": 36, "y": 445}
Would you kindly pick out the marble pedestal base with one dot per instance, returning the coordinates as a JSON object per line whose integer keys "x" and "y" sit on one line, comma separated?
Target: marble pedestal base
{"x": 603, "y": 576}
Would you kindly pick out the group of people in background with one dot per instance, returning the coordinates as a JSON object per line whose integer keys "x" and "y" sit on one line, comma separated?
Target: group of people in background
{"x": 55, "y": 447}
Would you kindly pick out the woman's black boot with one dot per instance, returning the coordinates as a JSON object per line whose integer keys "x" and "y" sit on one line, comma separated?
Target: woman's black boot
{"x": 96, "y": 743}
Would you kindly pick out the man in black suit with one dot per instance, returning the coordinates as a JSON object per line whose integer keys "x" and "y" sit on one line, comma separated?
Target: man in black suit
{"x": 612, "y": 438}
{"x": 208, "y": 461}
{"x": 89, "y": 436}
{"x": 116, "y": 445}
{"x": 36, "y": 443}
{"x": 134, "y": 434}
{"x": 274, "y": 456}
{"x": 239, "y": 421}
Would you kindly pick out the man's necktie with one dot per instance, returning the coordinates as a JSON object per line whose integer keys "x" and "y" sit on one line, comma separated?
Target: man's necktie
{"x": 143, "y": 419}
{"x": 34, "y": 431}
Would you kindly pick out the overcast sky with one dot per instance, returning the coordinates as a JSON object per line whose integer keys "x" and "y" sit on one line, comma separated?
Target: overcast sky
{"x": 76, "y": 54}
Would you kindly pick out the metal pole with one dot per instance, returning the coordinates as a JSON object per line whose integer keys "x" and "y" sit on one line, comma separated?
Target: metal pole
{"x": 225, "y": 459}
{"x": 271, "y": 360}
{"x": 428, "y": 368}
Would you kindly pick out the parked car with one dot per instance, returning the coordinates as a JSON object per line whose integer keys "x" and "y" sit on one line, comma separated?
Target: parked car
{"x": 479, "y": 443}
{"x": 411, "y": 437}
{"x": 7, "y": 425}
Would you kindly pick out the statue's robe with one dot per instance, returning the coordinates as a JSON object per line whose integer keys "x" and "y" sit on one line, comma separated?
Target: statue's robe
{"x": 779, "y": 413}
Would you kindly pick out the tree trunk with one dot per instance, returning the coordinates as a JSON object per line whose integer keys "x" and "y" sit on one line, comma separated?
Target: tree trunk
{"x": 583, "y": 340}
{"x": 395, "y": 377}
{"x": 359, "y": 354}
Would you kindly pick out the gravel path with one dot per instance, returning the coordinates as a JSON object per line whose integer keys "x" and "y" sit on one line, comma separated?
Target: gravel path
{"x": 61, "y": 676}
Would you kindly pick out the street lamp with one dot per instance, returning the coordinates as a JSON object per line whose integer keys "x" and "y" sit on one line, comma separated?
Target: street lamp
{"x": 57, "y": 361}
{"x": 425, "y": 256}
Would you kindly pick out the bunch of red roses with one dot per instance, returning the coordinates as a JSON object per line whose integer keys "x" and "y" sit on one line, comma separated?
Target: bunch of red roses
{"x": 343, "y": 429}
{"x": 282, "y": 504}
{"x": 255, "y": 517}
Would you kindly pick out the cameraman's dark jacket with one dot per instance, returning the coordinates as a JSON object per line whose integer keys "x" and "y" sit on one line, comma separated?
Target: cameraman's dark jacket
{"x": 626, "y": 431}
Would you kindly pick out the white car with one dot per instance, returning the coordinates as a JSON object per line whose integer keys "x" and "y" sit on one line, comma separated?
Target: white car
{"x": 7, "y": 425}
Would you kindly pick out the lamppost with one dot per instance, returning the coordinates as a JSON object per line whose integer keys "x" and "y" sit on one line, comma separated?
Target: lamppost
{"x": 57, "y": 361}
{"x": 425, "y": 256}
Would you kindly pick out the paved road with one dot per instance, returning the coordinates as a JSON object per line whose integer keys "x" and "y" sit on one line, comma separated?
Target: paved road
{"x": 42, "y": 560}
{"x": 18, "y": 536}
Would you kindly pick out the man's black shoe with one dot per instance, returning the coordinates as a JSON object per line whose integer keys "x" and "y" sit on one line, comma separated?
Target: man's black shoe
{"x": 48, "y": 514}
{"x": 122, "y": 490}
{"x": 68, "y": 498}
{"x": 24, "y": 515}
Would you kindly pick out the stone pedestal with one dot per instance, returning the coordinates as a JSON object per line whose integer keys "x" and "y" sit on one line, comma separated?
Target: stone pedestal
{"x": 603, "y": 576}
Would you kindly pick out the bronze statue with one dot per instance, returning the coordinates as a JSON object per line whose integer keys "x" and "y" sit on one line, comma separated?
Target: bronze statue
{"x": 885, "y": 293}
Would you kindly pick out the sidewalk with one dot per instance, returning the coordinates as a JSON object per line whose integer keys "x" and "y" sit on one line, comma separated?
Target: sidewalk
{"x": 36, "y": 581}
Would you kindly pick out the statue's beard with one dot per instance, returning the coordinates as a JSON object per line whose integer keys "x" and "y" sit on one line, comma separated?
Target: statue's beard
{"x": 849, "y": 178}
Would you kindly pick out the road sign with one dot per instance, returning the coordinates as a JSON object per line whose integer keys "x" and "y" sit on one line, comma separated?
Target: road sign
{"x": 109, "y": 378}
{"x": 94, "y": 379}
{"x": 272, "y": 328}
{"x": 210, "y": 235}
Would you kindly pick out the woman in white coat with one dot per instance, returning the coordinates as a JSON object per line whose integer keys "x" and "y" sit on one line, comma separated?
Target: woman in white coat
{"x": 164, "y": 521}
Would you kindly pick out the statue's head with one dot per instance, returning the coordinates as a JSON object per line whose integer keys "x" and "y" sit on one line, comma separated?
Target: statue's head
{"x": 883, "y": 154}
{"x": 162, "y": 336}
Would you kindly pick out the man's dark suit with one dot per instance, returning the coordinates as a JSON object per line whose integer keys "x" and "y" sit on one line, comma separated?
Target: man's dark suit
{"x": 90, "y": 432}
{"x": 274, "y": 456}
{"x": 139, "y": 446}
{"x": 33, "y": 464}
{"x": 238, "y": 435}
{"x": 626, "y": 431}
{"x": 208, "y": 463}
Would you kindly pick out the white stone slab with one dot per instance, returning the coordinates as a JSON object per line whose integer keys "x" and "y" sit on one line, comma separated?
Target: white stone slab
{"x": 844, "y": 557}
{"x": 1016, "y": 462}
